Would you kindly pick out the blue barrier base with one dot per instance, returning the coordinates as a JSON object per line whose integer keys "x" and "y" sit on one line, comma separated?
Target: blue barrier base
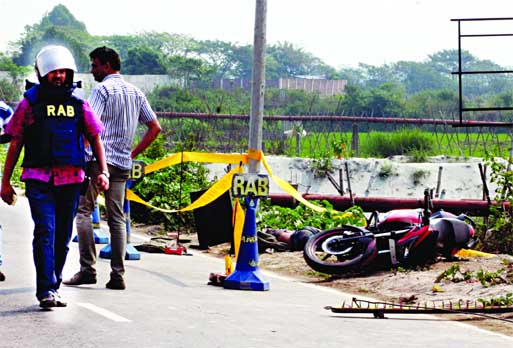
{"x": 100, "y": 237}
{"x": 131, "y": 252}
{"x": 246, "y": 280}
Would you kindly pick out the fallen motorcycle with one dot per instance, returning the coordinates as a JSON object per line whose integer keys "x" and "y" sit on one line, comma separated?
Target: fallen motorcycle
{"x": 403, "y": 237}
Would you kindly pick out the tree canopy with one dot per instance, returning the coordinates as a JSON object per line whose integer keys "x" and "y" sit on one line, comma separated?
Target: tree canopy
{"x": 404, "y": 87}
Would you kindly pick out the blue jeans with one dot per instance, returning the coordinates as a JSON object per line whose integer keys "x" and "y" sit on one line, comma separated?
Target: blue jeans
{"x": 53, "y": 209}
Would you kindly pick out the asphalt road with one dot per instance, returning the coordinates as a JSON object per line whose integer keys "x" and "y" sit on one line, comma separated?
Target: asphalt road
{"x": 168, "y": 303}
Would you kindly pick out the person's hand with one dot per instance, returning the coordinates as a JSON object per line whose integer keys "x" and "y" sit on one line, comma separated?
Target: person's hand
{"x": 8, "y": 194}
{"x": 102, "y": 182}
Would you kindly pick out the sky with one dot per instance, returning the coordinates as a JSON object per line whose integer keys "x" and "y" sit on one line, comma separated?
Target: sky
{"x": 342, "y": 33}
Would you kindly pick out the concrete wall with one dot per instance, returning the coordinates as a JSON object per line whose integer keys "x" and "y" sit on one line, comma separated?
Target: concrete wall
{"x": 321, "y": 86}
{"x": 145, "y": 82}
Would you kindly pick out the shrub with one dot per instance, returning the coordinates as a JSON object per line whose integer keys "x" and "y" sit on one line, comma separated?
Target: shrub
{"x": 418, "y": 175}
{"x": 497, "y": 237}
{"x": 276, "y": 217}
{"x": 386, "y": 170}
{"x": 406, "y": 141}
{"x": 322, "y": 165}
{"x": 168, "y": 188}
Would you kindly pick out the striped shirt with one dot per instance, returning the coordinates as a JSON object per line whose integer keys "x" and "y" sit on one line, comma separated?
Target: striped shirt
{"x": 121, "y": 107}
{"x": 61, "y": 175}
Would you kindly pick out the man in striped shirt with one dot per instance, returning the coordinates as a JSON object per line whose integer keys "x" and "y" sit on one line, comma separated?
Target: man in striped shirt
{"x": 121, "y": 107}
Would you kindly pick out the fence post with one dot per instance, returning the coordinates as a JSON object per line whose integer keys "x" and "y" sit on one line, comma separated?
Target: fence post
{"x": 298, "y": 143}
{"x": 355, "y": 140}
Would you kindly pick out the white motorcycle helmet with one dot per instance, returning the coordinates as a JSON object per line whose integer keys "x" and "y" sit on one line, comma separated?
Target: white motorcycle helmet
{"x": 54, "y": 57}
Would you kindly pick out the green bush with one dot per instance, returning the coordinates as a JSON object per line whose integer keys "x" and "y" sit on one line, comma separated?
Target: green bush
{"x": 168, "y": 188}
{"x": 403, "y": 142}
{"x": 497, "y": 235}
{"x": 277, "y": 217}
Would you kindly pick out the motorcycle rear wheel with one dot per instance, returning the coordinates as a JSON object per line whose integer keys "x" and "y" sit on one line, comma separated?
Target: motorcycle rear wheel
{"x": 340, "y": 250}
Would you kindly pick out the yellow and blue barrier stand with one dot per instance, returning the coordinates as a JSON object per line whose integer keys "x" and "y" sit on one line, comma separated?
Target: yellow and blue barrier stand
{"x": 247, "y": 275}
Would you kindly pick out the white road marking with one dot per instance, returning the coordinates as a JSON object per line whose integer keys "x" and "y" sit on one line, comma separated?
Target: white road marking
{"x": 102, "y": 311}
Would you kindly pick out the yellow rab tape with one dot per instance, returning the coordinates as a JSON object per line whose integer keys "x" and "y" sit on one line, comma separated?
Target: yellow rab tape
{"x": 214, "y": 192}
{"x": 255, "y": 154}
{"x": 238, "y": 225}
{"x": 224, "y": 183}
{"x": 289, "y": 189}
{"x": 293, "y": 192}
{"x": 196, "y": 157}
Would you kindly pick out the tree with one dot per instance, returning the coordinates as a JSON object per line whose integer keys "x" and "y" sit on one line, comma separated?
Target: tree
{"x": 354, "y": 101}
{"x": 243, "y": 62}
{"x": 441, "y": 103}
{"x": 163, "y": 43}
{"x": 59, "y": 26}
{"x": 10, "y": 90}
{"x": 60, "y": 16}
{"x": 219, "y": 55}
{"x": 143, "y": 60}
{"x": 417, "y": 77}
{"x": 386, "y": 100}
{"x": 189, "y": 69}
{"x": 291, "y": 61}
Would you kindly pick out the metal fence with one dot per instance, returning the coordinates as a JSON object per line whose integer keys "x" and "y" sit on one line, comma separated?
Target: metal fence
{"x": 312, "y": 136}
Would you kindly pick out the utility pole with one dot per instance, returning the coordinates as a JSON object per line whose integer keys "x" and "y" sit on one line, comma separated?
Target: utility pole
{"x": 247, "y": 276}
{"x": 258, "y": 84}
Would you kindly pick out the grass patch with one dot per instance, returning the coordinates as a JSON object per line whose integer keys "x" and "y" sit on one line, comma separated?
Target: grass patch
{"x": 412, "y": 142}
{"x": 380, "y": 144}
{"x": 418, "y": 175}
{"x": 386, "y": 170}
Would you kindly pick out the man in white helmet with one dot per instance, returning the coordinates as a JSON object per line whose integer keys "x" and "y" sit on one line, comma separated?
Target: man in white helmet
{"x": 51, "y": 123}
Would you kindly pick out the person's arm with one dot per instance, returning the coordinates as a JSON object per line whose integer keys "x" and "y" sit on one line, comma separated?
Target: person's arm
{"x": 7, "y": 192}
{"x": 99, "y": 151}
{"x": 151, "y": 133}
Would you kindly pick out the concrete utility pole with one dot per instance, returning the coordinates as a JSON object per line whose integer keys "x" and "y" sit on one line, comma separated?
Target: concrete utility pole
{"x": 258, "y": 83}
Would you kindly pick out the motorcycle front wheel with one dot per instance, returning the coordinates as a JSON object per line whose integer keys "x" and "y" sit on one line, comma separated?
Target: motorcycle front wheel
{"x": 340, "y": 250}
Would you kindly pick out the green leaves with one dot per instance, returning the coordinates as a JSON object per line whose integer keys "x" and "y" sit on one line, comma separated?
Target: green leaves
{"x": 506, "y": 300}
{"x": 276, "y": 217}
{"x": 498, "y": 238}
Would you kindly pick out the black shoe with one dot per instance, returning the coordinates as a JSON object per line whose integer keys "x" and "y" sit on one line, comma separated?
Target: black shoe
{"x": 81, "y": 278}
{"x": 48, "y": 301}
{"x": 58, "y": 301}
{"x": 116, "y": 284}
{"x": 2, "y": 277}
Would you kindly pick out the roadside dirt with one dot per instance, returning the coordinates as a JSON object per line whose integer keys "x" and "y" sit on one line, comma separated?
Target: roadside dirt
{"x": 408, "y": 286}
